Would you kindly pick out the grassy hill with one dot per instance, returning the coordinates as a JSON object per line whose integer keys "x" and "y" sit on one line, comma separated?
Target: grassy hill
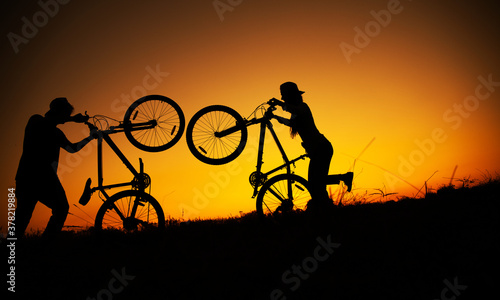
{"x": 444, "y": 245}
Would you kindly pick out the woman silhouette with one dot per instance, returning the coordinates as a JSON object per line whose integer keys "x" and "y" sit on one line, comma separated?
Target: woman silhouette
{"x": 318, "y": 147}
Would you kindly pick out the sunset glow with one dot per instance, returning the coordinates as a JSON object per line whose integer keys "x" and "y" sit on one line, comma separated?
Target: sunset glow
{"x": 406, "y": 91}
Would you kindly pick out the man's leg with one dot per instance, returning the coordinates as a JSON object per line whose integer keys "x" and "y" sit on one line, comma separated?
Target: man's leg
{"x": 57, "y": 201}
{"x": 24, "y": 209}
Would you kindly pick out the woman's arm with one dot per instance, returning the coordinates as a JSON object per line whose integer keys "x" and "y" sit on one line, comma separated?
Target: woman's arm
{"x": 282, "y": 120}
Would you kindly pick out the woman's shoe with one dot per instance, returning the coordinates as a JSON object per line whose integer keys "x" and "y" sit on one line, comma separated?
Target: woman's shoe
{"x": 348, "y": 177}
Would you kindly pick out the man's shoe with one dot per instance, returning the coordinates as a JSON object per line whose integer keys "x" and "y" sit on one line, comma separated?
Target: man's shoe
{"x": 87, "y": 193}
{"x": 348, "y": 180}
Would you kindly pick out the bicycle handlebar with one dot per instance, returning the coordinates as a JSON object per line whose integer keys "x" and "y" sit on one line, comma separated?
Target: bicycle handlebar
{"x": 100, "y": 122}
{"x": 79, "y": 118}
{"x": 273, "y": 102}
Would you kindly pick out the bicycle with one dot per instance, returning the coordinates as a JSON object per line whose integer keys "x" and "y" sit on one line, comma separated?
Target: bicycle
{"x": 217, "y": 134}
{"x": 152, "y": 123}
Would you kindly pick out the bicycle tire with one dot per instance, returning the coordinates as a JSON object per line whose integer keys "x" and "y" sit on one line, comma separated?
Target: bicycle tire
{"x": 274, "y": 200}
{"x": 149, "y": 216}
{"x": 167, "y": 114}
{"x": 201, "y": 139}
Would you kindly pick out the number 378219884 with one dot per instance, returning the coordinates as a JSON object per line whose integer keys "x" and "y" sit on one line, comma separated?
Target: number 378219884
{"x": 11, "y": 211}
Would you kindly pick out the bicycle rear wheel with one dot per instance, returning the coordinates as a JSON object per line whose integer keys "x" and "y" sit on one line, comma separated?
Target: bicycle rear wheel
{"x": 154, "y": 123}
{"x": 130, "y": 210}
{"x": 283, "y": 194}
{"x": 205, "y": 141}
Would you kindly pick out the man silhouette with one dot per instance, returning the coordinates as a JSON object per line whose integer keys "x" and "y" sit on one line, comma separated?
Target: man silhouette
{"x": 36, "y": 178}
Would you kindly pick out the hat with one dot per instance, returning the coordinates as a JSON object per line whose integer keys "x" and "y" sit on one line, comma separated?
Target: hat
{"x": 61, "y": 104}
{"x": 290, "y": 88}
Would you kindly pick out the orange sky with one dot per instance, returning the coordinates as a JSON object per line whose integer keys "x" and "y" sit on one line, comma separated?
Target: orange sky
{"x": 412, "y": 85}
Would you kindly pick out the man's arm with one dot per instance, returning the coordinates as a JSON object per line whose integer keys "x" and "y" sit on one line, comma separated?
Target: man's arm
{"x": 79, "y": 118}
{"x": 75, "y": 147}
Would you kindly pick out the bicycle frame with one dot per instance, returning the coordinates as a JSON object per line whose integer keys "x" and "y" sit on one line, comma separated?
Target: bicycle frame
{"x": 104, "y": 135}
{"x": 265, "y": 122}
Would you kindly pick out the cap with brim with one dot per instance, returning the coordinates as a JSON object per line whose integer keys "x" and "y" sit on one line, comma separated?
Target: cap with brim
{"x": 290, "y": 88}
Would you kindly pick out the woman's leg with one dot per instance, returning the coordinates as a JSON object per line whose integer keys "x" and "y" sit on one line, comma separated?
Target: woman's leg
{"x": 337, "y": 178}
{"x": 334, "y": 179}
{"x": 319, "y": 166}
{"x": 316, "y": 179}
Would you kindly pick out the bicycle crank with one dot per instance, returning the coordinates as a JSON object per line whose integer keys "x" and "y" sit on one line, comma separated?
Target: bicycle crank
{"x": 141, "y": 181}
{"x": 257, "y": 179}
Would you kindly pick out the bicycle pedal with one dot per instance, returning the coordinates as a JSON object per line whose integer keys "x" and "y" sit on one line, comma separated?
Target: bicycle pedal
{"x": 87, "y": 193}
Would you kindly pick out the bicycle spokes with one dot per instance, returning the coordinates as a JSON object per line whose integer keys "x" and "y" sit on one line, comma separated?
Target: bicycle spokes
{"x": 284, "y": 193}
{"x": 162, "y": 130}
{"x": 206, "y": 131}
{"x": 131, "y": 211}
{"x": 154, "y": 123}
{"x": 215, "y": 134}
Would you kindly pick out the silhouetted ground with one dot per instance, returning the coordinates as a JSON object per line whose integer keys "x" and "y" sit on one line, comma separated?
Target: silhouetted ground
{"x": 410, "y": 249}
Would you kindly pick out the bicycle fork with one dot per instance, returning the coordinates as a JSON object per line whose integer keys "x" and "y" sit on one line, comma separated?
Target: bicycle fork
{"x": 263, "y": 126}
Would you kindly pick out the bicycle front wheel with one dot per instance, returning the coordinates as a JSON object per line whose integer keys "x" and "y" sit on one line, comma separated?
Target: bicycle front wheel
{"x": 130, "y": 210}
{"x": 154, "y": 123}
{"x": 283, "y": 194}
{"x": 216, "y": 135}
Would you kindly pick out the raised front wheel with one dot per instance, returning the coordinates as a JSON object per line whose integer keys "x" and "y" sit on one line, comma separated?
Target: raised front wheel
{"x": 154, "y": 123}
{"x": 216, "y": 135}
